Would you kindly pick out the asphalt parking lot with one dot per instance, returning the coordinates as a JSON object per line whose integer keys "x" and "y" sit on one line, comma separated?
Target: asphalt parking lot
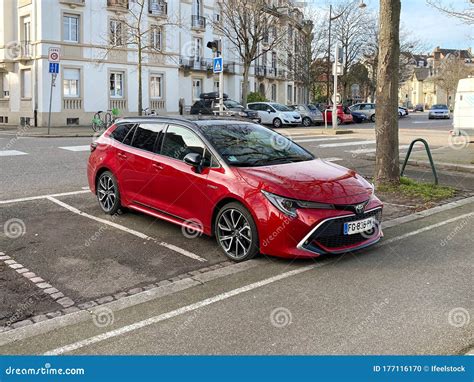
{"x": 62, "y": 256}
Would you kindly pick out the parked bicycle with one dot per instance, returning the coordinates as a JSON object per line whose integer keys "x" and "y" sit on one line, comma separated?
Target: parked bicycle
{"x": 100, "y": 123}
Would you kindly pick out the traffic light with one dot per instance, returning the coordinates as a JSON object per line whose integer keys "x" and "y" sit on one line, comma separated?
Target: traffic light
{"x": 215, "y": 46}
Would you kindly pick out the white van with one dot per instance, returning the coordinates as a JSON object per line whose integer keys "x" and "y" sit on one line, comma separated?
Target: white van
{"x": 463, "y": 117}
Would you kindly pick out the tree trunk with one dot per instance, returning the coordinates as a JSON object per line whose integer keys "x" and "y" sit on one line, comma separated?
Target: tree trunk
{"x": 245, "y": 85}
{"x": 387, "y": 168}
{"x": 140, "y": 85}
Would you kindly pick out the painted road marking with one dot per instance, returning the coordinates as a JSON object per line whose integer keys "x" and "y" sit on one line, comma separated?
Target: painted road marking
{"x": 320, "y": 139}
{"x": 29, "y": 199}
{"x": 341, "y": 144}
{"x": 180, "y": 311}
{"x": 76, "y": 148}
{"x": 367, "y": 151}
{"x": 332, "y": 159}
{"x": 128, "y": 230}
{"x": 220, "y": 297}
{"x": 427, "y": 228}
{"x": 11, "y": 153}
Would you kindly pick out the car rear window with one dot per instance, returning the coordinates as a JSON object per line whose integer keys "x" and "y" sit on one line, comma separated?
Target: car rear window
{"x": 121, "y": 131}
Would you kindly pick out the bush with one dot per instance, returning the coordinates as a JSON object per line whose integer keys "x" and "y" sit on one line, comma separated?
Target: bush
{"x": 255, "y": 97}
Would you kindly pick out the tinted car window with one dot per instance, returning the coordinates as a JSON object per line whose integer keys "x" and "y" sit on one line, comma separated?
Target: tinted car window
{"x": 179, "y": 142}
{"x": 121, "y": 131}
{"x": 146, "y": 135}
{"x": 129, "y": 137}
{"x": 250, "y": 145}
{"x": 253, "y": 107}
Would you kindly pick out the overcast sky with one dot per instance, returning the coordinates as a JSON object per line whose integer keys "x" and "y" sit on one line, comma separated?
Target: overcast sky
{"x": 425, "y": 23}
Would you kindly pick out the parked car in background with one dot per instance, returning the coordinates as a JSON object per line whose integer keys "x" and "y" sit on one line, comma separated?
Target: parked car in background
{"x": 439, "y": 111}
{"x": 402, "y": 111}
{"x": 208, "y": 104}
{"x": 343, "y": 115}
{"x": 359, "y": 117}
{"x": 419, "y": 107}
{"x": 275, "y": 114}
{"x": 365, "y": 108}
{"x": 310, "y": 114}
{"x": 463, "y": 117}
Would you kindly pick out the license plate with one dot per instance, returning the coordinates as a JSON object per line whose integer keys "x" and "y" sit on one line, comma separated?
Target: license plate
{"x": 359, "y": 226}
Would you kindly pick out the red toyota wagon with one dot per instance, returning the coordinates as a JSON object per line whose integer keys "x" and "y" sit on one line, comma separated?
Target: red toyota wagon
{"x": 253, "y": 189}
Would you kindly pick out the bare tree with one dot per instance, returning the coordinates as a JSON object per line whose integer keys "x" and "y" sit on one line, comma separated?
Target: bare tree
{"x": 452, "y": 69}
{"x": 351, "y": 31}
{"x": 131, "y": 28}
{"x": 247, "y": 25}
{"x": 387, "y": 168}
{"x": 464, "y": 13}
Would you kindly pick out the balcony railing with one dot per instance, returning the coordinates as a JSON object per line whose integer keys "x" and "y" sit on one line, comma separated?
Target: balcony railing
{"x": 195, "y": 63}
{"x": 120, "y": 104}
{"x": 26, "y": 50}
{"x": 157, "y": 8}
{"x": 198, "y": 22}
{"x": 272, "y": 72}
{"x": 260, "y": 71}
{"x": 118, "y": 4}
{"x": 157, "y": 104}
{"x": 72, "y": 104}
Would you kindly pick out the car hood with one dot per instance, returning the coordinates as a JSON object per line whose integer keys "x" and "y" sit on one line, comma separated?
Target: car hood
{"x": 315, "y": 180}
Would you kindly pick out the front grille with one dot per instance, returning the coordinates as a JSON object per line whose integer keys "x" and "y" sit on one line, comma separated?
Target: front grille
{"x": 331, "y": 233}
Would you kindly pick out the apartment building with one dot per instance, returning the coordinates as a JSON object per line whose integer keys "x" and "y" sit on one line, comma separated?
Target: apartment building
{"x": 421, "y": 85}
{"x": 99, "y": 62}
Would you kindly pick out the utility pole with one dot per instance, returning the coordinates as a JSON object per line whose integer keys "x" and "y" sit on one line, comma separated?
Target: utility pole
{"x": 335, "y": 73}
{"x": 221, "y": 81}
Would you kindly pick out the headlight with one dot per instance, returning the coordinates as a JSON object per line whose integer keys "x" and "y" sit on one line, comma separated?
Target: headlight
{"x": 242, "y": 114}
{"x": 289, "y": 206}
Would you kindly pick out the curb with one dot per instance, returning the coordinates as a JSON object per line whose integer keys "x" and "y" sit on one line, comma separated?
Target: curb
{"x": 438, "y": 165}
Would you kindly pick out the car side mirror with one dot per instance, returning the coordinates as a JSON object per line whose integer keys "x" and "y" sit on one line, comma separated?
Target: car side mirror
{"x": 194, "y": 160}
{"x": 269, "y": 110}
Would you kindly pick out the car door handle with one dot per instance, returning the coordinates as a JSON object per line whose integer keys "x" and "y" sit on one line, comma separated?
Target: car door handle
{"x": 122, "y": 156}
{"x": 158, "y": 166}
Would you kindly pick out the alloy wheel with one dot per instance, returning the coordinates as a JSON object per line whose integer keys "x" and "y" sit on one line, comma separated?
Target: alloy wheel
{"x": 234, "y": 234}
{"x": 106, "y": 193}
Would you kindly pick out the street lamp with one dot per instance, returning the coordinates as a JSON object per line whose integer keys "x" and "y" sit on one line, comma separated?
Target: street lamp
{"x": 362, "y": 5}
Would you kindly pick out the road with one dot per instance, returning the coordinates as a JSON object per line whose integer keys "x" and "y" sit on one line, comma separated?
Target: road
{"x": 168, "y": 293}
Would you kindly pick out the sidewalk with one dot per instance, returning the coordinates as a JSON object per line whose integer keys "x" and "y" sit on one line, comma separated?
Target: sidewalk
{"x": 55, "y": 132}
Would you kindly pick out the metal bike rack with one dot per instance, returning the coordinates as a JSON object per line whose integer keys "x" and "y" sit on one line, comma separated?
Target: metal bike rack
{"x": 428, "y": 151}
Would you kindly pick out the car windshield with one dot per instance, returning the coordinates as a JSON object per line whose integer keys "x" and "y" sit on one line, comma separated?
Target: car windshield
{"x": 439, "y": 107}
{"x": 250, "y": 145}
{"x": 312, "y": 107}
{"x": 280, "y": 107}
{"x": 232, "y": 104}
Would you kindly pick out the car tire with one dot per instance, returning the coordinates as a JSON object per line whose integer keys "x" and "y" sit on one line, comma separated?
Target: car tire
{"x": 372, "y": 118}
{"x": 307, "y": 122}
{"x": 234, "y": 225}
{"x": 108, "y": 194}
{"x": 277, "y": 123}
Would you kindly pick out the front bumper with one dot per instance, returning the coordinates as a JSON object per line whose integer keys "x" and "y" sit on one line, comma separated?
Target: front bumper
{"x": 313, "y": 232}
{"x": 438, "y": 116}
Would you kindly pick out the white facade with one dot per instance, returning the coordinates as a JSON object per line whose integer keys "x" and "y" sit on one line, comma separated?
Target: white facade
{"x": 94, "y": 77}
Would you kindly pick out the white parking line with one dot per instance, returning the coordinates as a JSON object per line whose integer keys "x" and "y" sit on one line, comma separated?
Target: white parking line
{"x": 427, "y": 228}
{"x": 76, "y": 148}
{"x": 220, "y": 297}
{"x": 178, "y": 312}
{"x": 29, "y": 199}
{"x": 341, "y": 144}
{"x": 319, "y": 139}
{"x": 125, "y": 229}
{"x": 332, "y": 159}
{"x": 11, "y": 153}
{"x": 366, "y": 151}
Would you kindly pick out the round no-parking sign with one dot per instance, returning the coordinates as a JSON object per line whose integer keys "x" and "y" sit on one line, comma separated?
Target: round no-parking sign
{"x": 53, "y": 55}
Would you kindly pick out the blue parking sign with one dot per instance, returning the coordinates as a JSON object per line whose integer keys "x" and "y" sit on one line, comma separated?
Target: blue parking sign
{"x": 54, "y": 67}
{"x": 218, "y": 65}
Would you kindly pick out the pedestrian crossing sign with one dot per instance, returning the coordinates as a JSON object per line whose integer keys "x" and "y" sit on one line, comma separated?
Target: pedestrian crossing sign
{"x": 217, "y": 66}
